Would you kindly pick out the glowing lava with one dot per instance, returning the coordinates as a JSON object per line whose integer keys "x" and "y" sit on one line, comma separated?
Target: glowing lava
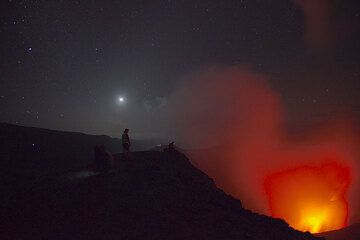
{"x": 310, "y": 198}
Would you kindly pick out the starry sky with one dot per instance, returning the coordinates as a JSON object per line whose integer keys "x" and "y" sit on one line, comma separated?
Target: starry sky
{"x": 65, "y": 64}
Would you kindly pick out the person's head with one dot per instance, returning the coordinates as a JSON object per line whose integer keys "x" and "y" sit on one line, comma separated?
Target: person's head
{"x": 126, "y": 130}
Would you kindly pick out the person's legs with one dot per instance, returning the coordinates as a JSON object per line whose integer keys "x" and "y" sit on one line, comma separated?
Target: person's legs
{"x": 126, "y": 150}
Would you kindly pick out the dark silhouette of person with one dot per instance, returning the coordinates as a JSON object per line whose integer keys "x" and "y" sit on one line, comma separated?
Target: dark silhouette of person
{"x": 170, "y": 148}
{"x": 103, "y": 160}
{"x": 125, "y": 140}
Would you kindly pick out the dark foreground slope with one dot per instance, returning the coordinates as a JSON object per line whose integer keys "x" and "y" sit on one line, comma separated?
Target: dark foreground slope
{"x": 349, "y": 233}
{"x": 154, "y": 195}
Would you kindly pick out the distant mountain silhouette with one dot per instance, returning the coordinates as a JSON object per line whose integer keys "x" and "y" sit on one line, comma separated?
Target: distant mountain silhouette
{"x": 36, "y": 151}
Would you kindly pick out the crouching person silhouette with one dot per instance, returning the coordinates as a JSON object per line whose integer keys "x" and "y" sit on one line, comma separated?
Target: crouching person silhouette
{"x": 170, "y": 148}
{"x": 103, "y": 160}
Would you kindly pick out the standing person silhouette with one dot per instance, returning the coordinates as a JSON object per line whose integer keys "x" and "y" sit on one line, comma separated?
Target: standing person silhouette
{"x": 125, "y": 140}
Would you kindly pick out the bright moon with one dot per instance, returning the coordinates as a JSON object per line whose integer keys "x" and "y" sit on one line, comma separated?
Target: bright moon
{"x": 121, "y": 99}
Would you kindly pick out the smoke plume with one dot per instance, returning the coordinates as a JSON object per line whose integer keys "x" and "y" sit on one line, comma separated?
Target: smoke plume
{"x": 317, "y": 15}
{"x": 235, "y": 122}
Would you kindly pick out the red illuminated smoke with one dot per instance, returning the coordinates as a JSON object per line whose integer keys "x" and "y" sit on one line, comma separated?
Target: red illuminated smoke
{"x": 237, "y": 120}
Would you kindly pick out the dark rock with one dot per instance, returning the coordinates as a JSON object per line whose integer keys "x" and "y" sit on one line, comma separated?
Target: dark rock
{"x": 150, "y": 195}
{"x": 154, "y": 195}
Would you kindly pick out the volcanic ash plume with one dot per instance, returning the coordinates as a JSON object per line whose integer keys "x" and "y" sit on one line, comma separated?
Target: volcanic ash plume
{"x": 238, "y": 118}
{"x": 317, "y": 16}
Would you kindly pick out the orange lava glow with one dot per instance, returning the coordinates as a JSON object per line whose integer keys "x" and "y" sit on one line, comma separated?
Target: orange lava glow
{"x": 310, "y": 198}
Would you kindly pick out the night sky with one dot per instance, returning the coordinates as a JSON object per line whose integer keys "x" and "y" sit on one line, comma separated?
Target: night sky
{"x": 65, "y": 64}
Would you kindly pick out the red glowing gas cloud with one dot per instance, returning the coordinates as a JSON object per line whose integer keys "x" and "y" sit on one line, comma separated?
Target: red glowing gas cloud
{"x": 317, "y": 15}
{"x": 327, "y": 23}
{"x": 310, "y": 198}
{"x": 238, "y": 118}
